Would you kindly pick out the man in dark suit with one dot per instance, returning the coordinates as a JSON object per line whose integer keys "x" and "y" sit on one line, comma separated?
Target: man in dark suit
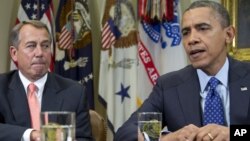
{"x": 31, "y": 49}
{"x": 181, "y": 96}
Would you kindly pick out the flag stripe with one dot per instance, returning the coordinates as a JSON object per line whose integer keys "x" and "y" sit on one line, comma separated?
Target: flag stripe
{"x": 65, "y": 39}
{"x": 148, "y": 63}
{"x": 108, "y": 37}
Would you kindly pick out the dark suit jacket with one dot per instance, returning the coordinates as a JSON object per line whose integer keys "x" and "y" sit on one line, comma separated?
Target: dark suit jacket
{"x": 177, "y": 96}
{"x": 60, "y": 94}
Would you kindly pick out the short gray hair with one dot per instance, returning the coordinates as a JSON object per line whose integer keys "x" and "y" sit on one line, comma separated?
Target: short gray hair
{"x": 217, "y": 7}
{"x": 14, "y": 34}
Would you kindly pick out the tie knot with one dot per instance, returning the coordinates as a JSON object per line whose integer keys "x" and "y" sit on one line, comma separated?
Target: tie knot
{"x": 213, "y": 82}
{"x": 32, "y": 87}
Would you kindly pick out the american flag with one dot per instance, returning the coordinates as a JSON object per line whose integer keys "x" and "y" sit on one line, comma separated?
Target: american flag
{"x": 65, "y": 37}
{"x": 109, "y": 34}
{"x": 74, "y": 51}
{"x": 38, "y": 10}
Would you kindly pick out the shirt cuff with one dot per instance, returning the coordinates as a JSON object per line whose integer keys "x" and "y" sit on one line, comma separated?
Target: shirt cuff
{"x": 26, "y": 135}
{"x": 165, "y": 131}
{"x": 146, "y": 137}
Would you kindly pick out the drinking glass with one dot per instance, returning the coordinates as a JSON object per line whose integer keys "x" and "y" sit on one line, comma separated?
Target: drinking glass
{"x": 151, "y": 124}
{"x": 57, "y": 126}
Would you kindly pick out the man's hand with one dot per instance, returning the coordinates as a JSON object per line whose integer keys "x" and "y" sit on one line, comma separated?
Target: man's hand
{"x": 213, "y": 132}
{"x": 210, "y": 132}
{"x": 186, "y": 133}
{"x": 35, "y": 135}
{"x": 140, "y": 136}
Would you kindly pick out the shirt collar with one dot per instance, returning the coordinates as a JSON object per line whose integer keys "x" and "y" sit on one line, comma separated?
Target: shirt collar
{"x": 222, "y": 76}
{"x": 39, "y": 83}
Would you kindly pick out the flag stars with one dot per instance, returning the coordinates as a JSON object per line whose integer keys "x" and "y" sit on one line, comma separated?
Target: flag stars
{"x": 123, "y": 92}
{"x": 34, "y": 16}
{"x": 42, "y": 7}
{"x": 91, "y": 76}
{"x": 173, "y": 31}
{"x": 88, "y": 77}
{"x": 27, "y": 6}
{"x": 35, "y": 7}
{"x": 152, "y": 32}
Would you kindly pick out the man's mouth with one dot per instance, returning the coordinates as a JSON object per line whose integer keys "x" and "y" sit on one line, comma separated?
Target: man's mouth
{"x": 196, "y": 53}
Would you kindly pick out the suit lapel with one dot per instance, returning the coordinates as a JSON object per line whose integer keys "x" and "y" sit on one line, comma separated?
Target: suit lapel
{"x": 189, "y": 94}
{"x": 239, "y": 86}
{"x": 18, "y": 101}
{"x": 51, "y": 99}
{"x": 239, "y": 93}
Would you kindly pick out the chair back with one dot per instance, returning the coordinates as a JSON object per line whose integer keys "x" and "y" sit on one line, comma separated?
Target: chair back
{"x": 98, "y": 126}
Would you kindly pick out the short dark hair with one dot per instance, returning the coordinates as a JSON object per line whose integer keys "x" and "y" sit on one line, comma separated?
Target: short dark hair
{"x": 217, "y": 7}
{"x": 14, "y": 34}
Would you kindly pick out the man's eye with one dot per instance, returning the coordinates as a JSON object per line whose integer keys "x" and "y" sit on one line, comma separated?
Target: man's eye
{"x": 185, "y": 32}
{"x": 203, "y": 28}
{"x": 31, "y": 46}
{"x": 46, "y": 46}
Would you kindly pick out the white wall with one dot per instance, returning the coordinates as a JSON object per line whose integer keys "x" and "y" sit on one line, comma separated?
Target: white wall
{"x": 8, "y": 11}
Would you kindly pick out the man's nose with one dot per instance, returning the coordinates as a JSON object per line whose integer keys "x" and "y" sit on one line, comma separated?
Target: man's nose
{"x": 193, "y": 38}
{"x": 39, "y": 50}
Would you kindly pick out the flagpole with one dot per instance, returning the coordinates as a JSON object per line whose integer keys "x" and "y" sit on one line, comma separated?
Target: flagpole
{"x": 71, "y": 50}
{"x": 38, "y": 10}
{"x": 71, "y": 18}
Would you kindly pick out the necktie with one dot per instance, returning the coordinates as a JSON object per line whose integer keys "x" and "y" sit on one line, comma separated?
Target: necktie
{"x": 213, "y": 110}
{"x": 34, "y": 106}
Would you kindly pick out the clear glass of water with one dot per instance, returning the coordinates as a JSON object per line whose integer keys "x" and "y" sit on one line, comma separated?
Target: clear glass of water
{"x": 57, "y": 126}
{"x": 151, "y": 124}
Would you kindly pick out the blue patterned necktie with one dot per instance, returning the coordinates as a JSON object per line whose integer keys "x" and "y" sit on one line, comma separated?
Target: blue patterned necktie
{"x": 213, "y": 110}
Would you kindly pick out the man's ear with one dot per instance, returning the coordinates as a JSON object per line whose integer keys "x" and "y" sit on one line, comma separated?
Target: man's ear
{"x": 230, "y": 33}
{"x": 13, "y": 53}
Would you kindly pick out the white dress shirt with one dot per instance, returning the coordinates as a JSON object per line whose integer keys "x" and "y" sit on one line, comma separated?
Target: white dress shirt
{"x": 222, "y": 88}
{"x": 40, "y": 86}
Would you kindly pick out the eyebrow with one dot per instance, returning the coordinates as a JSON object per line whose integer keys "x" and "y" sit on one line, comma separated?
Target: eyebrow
{"x": 46, "y": 41}
{"x": 196, "y": 26}
{"x": 202, "y": 24}
{"x": 34, "y": 42}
